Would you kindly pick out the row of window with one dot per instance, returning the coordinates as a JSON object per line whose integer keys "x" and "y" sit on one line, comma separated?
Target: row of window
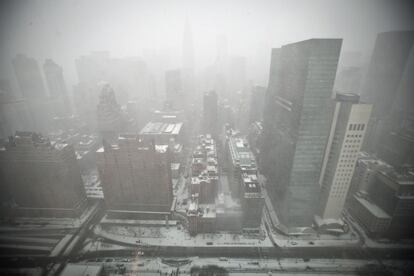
{"x": 354, "y": 135}
{"x": 356, "y": 126}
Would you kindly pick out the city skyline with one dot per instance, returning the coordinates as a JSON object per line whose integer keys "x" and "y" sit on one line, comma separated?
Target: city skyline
{"x": 182, "y": 138}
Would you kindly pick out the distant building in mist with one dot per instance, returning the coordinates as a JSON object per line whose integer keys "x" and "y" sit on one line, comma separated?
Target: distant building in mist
{"x": 136, "y": 178}
{"x": 386, "y": 70}
{"x": 14, "y": 113}
{"x": 29, "y": 77}
{"x": 40, "y": 178}
{"x": 174, "y": 89}
{"x": 297, "y": 122}
{"x": 56, "y": 83}
{"x": 129, "y": 77}
{"x": 254, "y": 136}
{"x": 210, "y": 113}
{"x": 347, "y": 134}
{"x": 236, "y": 76}
{"x": 41, "y": 107}
{"x": 109, "y": 119}
{"x": 6, "y": 88}
{"x": 257, "y": 98}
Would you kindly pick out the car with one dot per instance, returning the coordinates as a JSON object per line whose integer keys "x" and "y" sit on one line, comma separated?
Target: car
{"x": 209, "y": 243}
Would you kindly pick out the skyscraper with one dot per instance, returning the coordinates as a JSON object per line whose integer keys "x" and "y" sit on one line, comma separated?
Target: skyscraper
{"x": 109, "y": 119}
{"x": 174, "y": 89}
{"x": 396, "y": 142}
{"x": 56, "y": 83}
{"x": 257, "y": 97}
{"x": 347, "y": 133}
{"x": 388, "y": 64}
{"x": 29, "y": 77}
{"x": 210, "y": 120}
{"x": 298, "y": 115}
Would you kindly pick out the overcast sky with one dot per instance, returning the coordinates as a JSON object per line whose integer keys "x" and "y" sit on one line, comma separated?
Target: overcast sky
{"x": 63, "y": 30}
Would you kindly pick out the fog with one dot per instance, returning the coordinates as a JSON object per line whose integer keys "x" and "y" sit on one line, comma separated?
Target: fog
{"x": 206, "y": 137}
{"x": 64, "y": 30}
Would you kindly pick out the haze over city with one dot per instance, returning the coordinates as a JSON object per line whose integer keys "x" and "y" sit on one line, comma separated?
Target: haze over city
{"x": 206, "y": 137}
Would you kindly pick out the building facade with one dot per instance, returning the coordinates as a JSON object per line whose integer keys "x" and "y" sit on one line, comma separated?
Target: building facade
{"x": 136, "y": 177}
{"x": 210, "y": 115}
{"x": 347, "y": 134}
{"x": 387, "y": 208}
{"x": 108, "y": 115}
{"x": 388, "y": 65}
{"x": 296, "y": 126}
{"x": 56, "y": 84}
{"x": 29, "y": 77}
{"x": 40, "y": 178}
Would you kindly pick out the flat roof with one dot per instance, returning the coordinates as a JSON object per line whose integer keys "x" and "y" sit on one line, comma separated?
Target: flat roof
{"x": 241, "y": 153}
{"x": 373, "y": 208}
{"x": 81, "y": 270}
{"x": 162, "y": 128}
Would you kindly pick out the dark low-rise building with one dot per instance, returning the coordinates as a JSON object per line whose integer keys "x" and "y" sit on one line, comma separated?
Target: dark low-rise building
{"x": 387, "y": 208}
{"x": 40, "y": 178}
{"x": 136, "y": 178}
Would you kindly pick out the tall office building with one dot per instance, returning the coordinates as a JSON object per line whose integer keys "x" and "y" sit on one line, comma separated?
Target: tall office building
{"x": 257, "y": 98}
{"x": 14, "y": 115}
{"x": 299, "y": 113}
{"x": 388, "y": 64}
{"x": 396, "y": 142}
{"x": 136, "y": 177}
{"x": 210, "y": 118}
{"x": 40, "y": 178}
{"x": 56, "y": 83}
{"x": 236, "y": 77}
{"x": 347, "y": 133}
{"x": 29, "y": 77}
{"x": 109, "y": 118}
{"x": 266, "y": 147}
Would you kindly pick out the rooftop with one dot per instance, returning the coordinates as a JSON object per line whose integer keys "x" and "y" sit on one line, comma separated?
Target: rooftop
{"x": 372, "y": 208}
{"x": 162, "y": 128}
{"x": 82, "y": 270}
{"x": 240, "y": 152}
